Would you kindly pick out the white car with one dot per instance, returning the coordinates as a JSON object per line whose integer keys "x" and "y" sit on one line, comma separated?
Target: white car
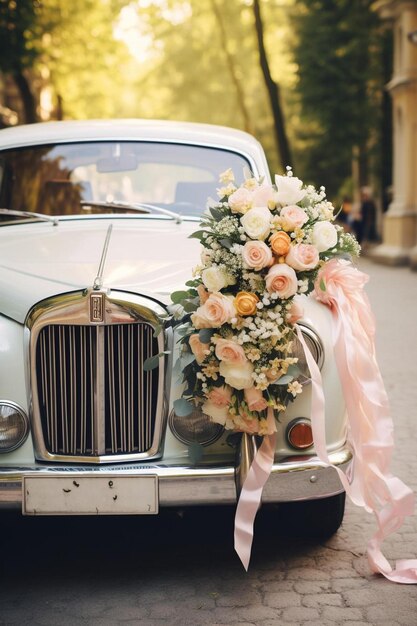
{"x": 94, "y": 236}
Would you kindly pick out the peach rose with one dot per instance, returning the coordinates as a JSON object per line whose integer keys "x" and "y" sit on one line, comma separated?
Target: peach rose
{"x": 247, "y": 424}
{"x": 203, "y": 293}
{"x": 256, "y": 255}
{"x": 220, "y": 396}
{"x": 295, "y": 313}
{"x": 282, "y": 280}
{"x": 229, "y": 351}
{"x": 240, "y": 200}
{"x": 245, "y": 303}
{"x": 293, "y": 217}
{"x": 254, "y": 399}
{"x": 216, "y": 311}
{"x": 280, "y": 243}
{"x": 198, "y": 348}
{"x": 302, "y": 256}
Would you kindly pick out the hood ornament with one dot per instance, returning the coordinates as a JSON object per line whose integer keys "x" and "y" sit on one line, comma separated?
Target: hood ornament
{"x": 98, "y": 281}
{"x": 97, "y": 296}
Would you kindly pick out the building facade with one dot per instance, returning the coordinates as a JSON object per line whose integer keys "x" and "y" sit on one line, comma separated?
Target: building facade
{"x": 399, "y": 246}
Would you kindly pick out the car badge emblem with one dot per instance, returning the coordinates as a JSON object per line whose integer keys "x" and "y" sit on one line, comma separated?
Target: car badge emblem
{"x": 96, "y": 307}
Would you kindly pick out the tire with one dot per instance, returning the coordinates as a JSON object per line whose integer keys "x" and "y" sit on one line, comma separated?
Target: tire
{"x": 316, "y": 518}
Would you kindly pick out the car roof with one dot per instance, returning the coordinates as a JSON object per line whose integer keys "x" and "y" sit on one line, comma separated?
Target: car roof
{"x": 125, "y": 130}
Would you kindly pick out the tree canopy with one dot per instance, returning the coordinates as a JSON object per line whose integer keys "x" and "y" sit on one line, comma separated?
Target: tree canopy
{"x": 303, "y": 77}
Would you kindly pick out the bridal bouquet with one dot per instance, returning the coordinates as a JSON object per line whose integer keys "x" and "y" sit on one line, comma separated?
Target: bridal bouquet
{"x": 262, "y": 245}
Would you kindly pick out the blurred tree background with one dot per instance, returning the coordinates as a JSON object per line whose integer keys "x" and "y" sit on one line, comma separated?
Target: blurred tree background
{"x": 305, "y": 77}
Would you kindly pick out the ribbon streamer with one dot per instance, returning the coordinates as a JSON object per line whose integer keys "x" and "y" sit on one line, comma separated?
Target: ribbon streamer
{"x": 251, "y": 494}
{"x": 370, "y": 427}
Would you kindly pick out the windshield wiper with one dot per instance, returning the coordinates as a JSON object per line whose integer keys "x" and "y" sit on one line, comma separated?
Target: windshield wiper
{"x": 137, "y": 207}
{"x": 40, "y": 216}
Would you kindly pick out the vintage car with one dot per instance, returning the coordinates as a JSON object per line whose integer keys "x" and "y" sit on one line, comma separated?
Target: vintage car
{"x": 94, "y": 236}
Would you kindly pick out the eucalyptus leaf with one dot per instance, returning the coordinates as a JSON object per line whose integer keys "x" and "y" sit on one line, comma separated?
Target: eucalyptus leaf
{"x": 178, "y": 296}
{"x": 216, "y": 213}
{"x": 205, "y": 335}
{"x": 182, "y": 407}
{"x": 293, "y": 371}
{"x": 186, "y": 359}
{"x": 284, "y": 380}
{"x": 198, "y": 234}
{"x": 195, "y": 452}
{"x": 226, "y": 243}
{"x": 153, "y": 361}
{"x": 190, "y": 306}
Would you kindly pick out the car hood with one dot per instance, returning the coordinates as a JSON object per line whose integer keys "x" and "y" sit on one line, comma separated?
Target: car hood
{"x": 152, "y": 257}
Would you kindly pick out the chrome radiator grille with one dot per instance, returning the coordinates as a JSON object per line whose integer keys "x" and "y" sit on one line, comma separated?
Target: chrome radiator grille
{"x": 94, "y": 396}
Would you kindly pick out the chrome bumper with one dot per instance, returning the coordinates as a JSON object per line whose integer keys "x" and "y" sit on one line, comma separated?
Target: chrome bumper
{"x": 186, "y": 486}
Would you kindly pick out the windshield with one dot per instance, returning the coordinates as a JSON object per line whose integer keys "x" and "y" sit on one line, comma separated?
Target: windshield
{"x": 55, "y": 179}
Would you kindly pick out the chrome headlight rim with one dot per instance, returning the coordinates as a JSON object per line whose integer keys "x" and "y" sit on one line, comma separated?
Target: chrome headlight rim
{"x": 188, "y": 442}
{"x": 312, "y": 338}
{"x": 25, "y": 419}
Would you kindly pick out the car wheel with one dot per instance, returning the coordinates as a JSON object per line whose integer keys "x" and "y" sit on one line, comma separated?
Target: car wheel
{"x": 316, "y": 518}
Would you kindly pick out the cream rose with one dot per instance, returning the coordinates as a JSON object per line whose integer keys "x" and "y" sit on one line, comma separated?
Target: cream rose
{"x": 302, "y": 256}
{"x": 324, "y": 236}
{"x": 237, "y": 376}
{"x": 256, "y": 255}
{"x": 216, "y": 279}
{"x": 255, "y": 399}
{"x": 229, "y": 351}
{"x": 240, "y": 200}
{"x": 288, "y": 190}
{"x": 217, "y": 413}
{"x": 281, "y": 279}
{"x": 198, "y": 348}
{"x": 257, "y": 223}
{"x": 216, "y": 311}
{"x": 292, "y": 217}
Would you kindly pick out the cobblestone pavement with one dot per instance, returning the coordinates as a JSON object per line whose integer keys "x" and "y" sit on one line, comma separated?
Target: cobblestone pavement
{"x": 182, "y": 570}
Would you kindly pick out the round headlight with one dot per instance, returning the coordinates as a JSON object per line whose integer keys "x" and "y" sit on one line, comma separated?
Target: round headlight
{"x": 195, "y": 428}
{"x": 14, "y": 426}
{"x": 316, "y": 348}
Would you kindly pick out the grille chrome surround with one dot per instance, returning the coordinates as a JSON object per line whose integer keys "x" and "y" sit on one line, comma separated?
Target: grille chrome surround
{"x": 91, "y": 400}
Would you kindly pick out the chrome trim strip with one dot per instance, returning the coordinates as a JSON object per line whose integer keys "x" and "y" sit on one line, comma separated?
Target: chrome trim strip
{"x": 181, "y": 485}
{"x": 74, "y": 309}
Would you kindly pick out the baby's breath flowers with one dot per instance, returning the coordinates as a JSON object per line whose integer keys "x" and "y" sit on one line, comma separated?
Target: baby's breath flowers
{"x": 262, "y": 246}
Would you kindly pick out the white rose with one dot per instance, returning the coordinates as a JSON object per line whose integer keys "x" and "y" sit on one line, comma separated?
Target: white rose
{"x": 216, "y": 279}
{"x": 217, "y": 413}
{"x": 238, "y": 376}
{"x": 257, "y": 223}
{"x": 324, "y": 236}
{"x": 289, "y": 190}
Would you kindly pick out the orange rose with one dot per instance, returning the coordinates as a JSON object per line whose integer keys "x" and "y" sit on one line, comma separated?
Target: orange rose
{"x": 280, "y": 243}
{"x": 245, "y": 303}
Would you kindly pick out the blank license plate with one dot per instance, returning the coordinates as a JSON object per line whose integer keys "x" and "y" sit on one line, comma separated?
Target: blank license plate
{"x": 90, "y": 495}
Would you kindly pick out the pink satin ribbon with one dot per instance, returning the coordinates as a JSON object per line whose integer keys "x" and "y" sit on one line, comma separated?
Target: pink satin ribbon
{"x": 251, "y": 494}
{"x": 370, "y": 434}
{"x": 370, "y": 427}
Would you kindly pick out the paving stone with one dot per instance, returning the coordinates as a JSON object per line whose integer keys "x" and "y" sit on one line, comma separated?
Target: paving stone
{"x": 316, "y": 600}
{"x": 282, "y": 599}
{"x": 299, "y": 614}
{"x": 341, "y": 614}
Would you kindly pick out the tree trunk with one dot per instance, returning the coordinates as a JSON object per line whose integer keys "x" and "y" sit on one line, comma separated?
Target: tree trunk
{"x": 273, "y": 91}
{"x": 27, "y": 97}
{"x": 232, "y": 68}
